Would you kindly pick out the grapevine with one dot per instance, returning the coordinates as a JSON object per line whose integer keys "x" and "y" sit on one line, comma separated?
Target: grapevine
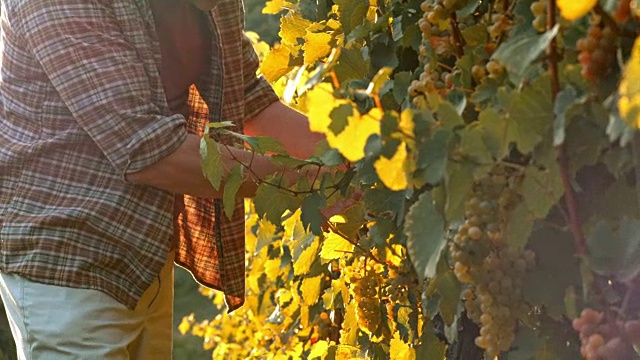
{"x": 492, "y": 147}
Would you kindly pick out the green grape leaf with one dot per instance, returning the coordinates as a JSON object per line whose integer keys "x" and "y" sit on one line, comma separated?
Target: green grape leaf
{"x": 449, "y": 288}
{"x": 352, "y": 13}
{"x": 430, "y": 348}
{"x": 460, "y": 177}
{"x": 311, "y": 217}
{"x": 556, "y": 270}
{"x": 618, "y": 129}
{"x": 259, "y": 144}
{"x": 526, "y": 344}
{"x": 432, "y": 157}
{"x": 425, "y": 230}
{"x": 354, "y": 219}
{"x": 473, "y": 146}
{"x": 494, "y": 132}
{"x": 486, "y": 91}
{"x": 566, "y": 98}
{"x": 401, "y": 82}
{"x": 276, "y": 64}
{"x": 449, "y": 115}
{"x": 271, "y": 203}
{"x": 615, "y": 251}
{"x": 518, "y": 226}
{"x": 340, "y": 117}
{"x": 211, "y": 161}
{"x": 518, "y": 53}
{"x": 585, "y": 143}
{"x": 541, "y": 189}
{"x": 383, "y": 200}
{"x": 231, "y": 186}
{"x": 351, "y": 65}
{"x": 475, "y": 35}
{"x": 530, "y": 115}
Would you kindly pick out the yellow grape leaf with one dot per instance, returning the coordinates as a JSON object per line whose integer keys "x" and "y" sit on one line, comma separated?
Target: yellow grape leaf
{"x": 575, "y": 9}
{"x": 629, "y": 102}
{"x": 283, "y": 296}
{"x": 334, "y": 246}
{"x": 339, "y": 286}
{"x": 289, "y": 225}
{"x": 276, "y": 63}
{"x": 352, "y": 140}
{"x": 320, "y": 102}
{"x": 310, "y": 289}
{"x": 304, "y": 316}
{"x": 399, "y": 350}
{"x": 292, "y": 28}
{"x": 319, "y": 350}
{"x": 349, "y": 331}
{"x": 348, "y": 352}
{"x": 272, "y": 268}
{"x": 316, "y": 47}
{"x": 303, "y": 264}
{"x": 407, "y": 126}
{"x": 275, "y": 6}
{"x": 392, "y": 171}
{"x": 185, "y": 324}
{"x": 395, "y": 253}
{"x": 327, "y": 298}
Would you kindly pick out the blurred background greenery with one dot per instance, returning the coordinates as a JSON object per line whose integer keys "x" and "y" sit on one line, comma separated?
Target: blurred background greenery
{"x": 187, "y": 298}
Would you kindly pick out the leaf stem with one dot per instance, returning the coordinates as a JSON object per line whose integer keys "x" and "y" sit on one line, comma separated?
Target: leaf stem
{"x": 561, "y": 153}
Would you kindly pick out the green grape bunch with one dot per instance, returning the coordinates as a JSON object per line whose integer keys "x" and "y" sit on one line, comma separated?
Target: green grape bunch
{"x": 493, "y": 270}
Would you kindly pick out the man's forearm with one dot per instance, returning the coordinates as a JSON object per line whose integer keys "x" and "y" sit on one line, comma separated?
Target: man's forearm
{"x": 181, "y": 171}
{"x": 286, "y": 125}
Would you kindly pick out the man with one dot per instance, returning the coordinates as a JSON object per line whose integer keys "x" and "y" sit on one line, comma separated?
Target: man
{"x": 103, "y": 103}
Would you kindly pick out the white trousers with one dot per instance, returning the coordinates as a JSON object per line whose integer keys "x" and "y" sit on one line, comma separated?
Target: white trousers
{"x": 52, "y": 322}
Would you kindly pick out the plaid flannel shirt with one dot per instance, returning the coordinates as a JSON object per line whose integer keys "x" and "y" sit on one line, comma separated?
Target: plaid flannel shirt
{"x": 81, "y": 106}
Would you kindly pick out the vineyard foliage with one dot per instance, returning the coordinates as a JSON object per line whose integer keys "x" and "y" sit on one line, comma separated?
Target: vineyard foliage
{"x": 483, "y": 190}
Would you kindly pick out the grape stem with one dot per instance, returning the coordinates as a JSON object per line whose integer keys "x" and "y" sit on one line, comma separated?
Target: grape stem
{"x": 561, "y": 153}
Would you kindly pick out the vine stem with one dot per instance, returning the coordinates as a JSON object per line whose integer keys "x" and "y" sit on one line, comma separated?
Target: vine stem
{"x": 561, "y": 152}
{"x": 279, "y": 186}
